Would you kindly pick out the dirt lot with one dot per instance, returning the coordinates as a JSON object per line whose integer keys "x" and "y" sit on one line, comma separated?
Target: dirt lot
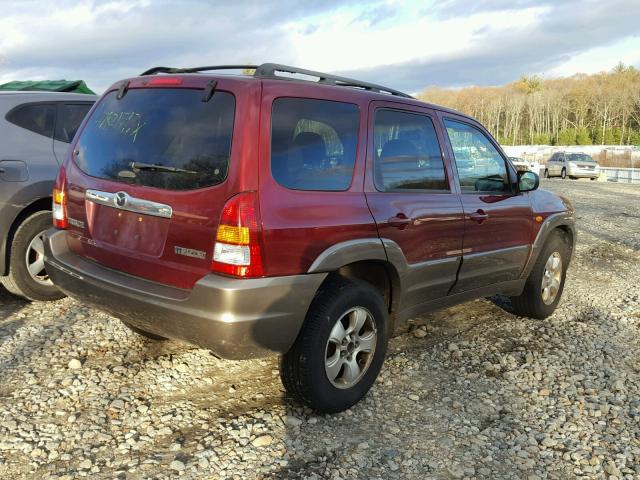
{"x": 471, "y": 391}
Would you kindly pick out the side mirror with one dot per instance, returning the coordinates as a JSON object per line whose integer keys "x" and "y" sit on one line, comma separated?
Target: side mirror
{"x": 528, "y": 181}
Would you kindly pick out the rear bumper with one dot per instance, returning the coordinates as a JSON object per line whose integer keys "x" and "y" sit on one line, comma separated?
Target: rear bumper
{"x": 584, "y": 173}
{"x": 235, "y": 318}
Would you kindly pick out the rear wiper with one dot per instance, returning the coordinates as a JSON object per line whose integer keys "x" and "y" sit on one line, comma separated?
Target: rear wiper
{"x": 152, "y": 167}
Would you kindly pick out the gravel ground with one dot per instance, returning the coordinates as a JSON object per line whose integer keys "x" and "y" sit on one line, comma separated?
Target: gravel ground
{"x": 471, "y": 391}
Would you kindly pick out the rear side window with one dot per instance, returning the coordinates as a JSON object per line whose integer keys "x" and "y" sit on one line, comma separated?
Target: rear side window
{"x": 36, "y": 117}
{"x": 313, "y": 143}
{"x": 70, "y": 117}
{"x": 407, "y": 153}
{"x": 170, "y": 128}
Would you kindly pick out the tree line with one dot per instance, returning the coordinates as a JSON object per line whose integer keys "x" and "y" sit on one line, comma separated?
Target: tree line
{"x": 599, "y": 109}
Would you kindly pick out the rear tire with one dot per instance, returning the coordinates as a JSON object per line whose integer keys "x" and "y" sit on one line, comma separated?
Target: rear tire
{"x": 533, "y": 302}
{"x": 27, "y": 277}
{"x": 330, "y": 367}
{"x": 143, "y": 333}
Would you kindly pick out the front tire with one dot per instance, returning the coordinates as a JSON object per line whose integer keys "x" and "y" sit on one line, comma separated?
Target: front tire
{"x": 27, "y": 276}
{"x": 546, "y": 173}
{"x": 544, "y": 286}
{"x": 340, "y": 349}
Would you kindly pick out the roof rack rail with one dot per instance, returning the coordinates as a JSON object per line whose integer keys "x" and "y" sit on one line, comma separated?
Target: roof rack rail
{"x": 269, "y": 70}
{"x": 154, "y": 70}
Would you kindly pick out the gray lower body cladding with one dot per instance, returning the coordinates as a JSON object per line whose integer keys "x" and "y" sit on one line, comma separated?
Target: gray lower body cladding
{"x": 235, "y": 318}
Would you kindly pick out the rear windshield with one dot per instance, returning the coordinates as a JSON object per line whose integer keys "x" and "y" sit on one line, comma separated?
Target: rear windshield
{"x": 580, "y": 157}
{"x": 171, "y": 128}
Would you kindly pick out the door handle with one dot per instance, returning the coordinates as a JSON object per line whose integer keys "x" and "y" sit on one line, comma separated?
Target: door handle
{"x": 399, "y": 221}
{"x": 479, "y": 215}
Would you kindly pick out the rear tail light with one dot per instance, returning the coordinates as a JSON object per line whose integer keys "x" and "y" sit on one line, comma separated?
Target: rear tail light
{"x": 60, "y": 209}
{"x": 165, "y": 81}
{"x": 238, "y": 248}
{"x": 59, "y": 206}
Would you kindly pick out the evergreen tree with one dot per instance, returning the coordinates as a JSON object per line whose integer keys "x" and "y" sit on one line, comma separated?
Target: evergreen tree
{"x": 583, "y": 137}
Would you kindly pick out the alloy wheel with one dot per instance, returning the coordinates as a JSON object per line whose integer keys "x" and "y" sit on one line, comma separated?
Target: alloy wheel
{"x": 34, "y": 258}
{"x": 551, "y": 278}
{"x": 350, "y": 348}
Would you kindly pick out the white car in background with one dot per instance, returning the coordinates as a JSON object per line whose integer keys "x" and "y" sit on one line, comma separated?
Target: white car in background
{"x": 572, "y": 165}
{"x": 524, "y": 166}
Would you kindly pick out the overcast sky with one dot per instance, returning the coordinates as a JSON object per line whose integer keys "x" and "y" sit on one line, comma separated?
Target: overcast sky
{"x": 406, "y": 45}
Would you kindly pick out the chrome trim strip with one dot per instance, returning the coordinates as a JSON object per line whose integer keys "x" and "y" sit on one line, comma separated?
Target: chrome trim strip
{"x": 122, "y": 201}
{"x": 64, "y": 269}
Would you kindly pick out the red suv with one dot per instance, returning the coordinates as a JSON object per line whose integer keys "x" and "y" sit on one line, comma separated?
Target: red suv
{"x": 296, "y": 213}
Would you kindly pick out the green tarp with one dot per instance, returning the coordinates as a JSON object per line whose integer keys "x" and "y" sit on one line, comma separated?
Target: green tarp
{"x": 73, "y": 86}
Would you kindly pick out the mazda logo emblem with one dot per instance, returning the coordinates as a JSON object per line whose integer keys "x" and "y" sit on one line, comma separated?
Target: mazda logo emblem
{"x": 121, "y": 199}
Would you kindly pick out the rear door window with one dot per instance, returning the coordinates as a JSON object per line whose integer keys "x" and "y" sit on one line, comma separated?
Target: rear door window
{"x": 313, "y": 143}
{"x": 70, "y": 116}
{"x": 36, "y": 117}
{"x": 407, "y": 153}
{"x": 170, "y": 128}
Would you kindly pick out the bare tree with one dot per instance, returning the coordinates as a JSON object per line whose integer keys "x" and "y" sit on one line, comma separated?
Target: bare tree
{"x": 600, "y": 108}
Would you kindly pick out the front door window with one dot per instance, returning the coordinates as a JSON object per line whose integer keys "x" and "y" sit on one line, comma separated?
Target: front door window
{"x": 480, "y": 167}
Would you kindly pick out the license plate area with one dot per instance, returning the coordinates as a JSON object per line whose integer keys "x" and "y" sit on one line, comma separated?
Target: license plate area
{"x": 127, "y": 230}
